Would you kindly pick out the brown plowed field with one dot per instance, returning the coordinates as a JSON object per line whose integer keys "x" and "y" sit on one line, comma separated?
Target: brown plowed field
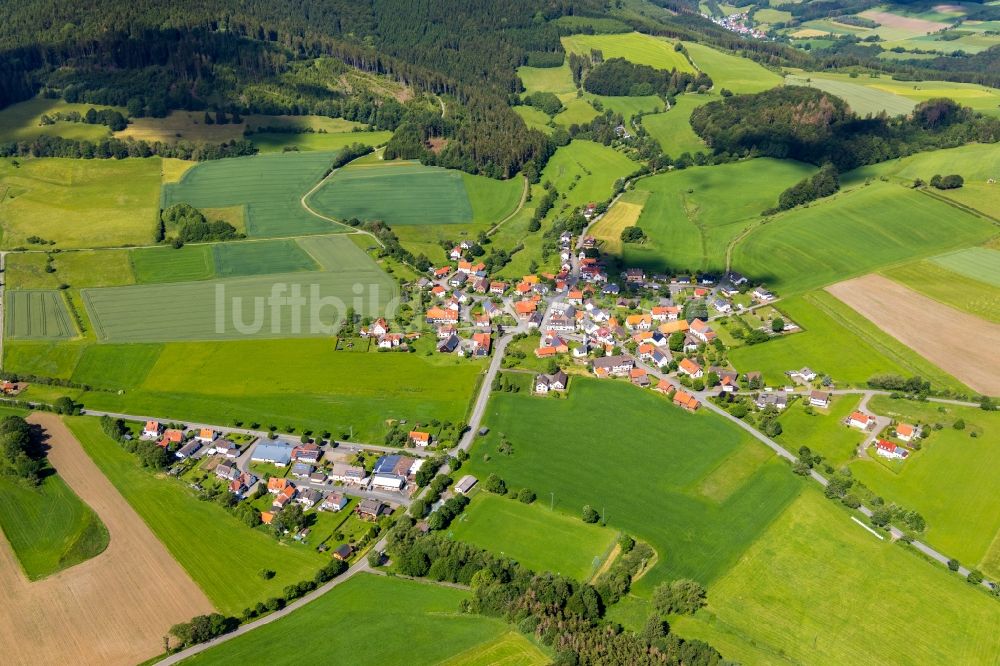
{"x": 961, "y": 344}
{"x": 112, "y": 609}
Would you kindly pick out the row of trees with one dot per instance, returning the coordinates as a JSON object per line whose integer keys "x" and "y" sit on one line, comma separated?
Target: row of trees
{"x": 821, "y": 184}
{"x": 54, "y": 146}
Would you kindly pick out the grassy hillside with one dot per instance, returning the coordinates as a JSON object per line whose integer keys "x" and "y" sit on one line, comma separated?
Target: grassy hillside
{"x": 818, "y": 588}
{"x": 739, "y": 75}
{"x": 384, "y": 615}
{"x": 584, "y": 171}
{"x": 635, "y": 47}
{"x": 673, "y": 128}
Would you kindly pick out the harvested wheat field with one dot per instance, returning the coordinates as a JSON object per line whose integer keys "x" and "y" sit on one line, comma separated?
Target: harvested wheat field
{"x": 112, "y": 609}
{"x": 958, "y": 343}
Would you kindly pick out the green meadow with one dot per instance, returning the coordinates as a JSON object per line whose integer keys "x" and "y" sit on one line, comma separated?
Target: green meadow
{"x": 557, "y": 80}
{"x": 876, "y": 226}
{"x": 693, "y": 214}
{"x": 534, "y": 118}
{"x": 48, "y": 526}
{"x": 408, "y": 193}
{"x": 950, "y": 480}
{"x": 978, "y": 263}
{"x": 200, "y": 535}
{"x": 818, "y": 588}
{"x": 656, "y": 472}
{"x": 585, "y": 171}
{"x": 739, "y": 75}
{"x": 576, "y": 111}
{"x": 835, "y": 340}
{"x": 79, "y": 203}
{"x": 22, "y": 121}
{"x": 628, "y": 107}
{"x": 932, "y": 279}
{"x": 155, "y": 265}
{"x": 823, "y": 431}
{"x": 377, "y": 615}
{"x": 499, "y": 524}
{"x": 270, "y": 186}
{"x": 673, "y": 128}
{"x": 303, "y": 383}
{"x": 635, "y": 47}
{"x": 115, "y": 366}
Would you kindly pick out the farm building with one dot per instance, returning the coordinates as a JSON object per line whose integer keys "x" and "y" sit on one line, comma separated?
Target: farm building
{"x": 465, "y": 484}
{"x": 275, "y": 454}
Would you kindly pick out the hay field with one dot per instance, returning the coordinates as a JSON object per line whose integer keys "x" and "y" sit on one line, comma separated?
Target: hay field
{"x": 635, "y": 47}
{"x": 625, "y": 213}
{"x": 958, "y": 343}
{"x": 863, "y": 100}
{"x": 112, "y": 609}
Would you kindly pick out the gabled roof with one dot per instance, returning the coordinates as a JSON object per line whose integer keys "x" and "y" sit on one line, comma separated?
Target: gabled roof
{"x": 689, "y": 366}
{"x": 904, "y": 429}
{"x": 860, "y": 417}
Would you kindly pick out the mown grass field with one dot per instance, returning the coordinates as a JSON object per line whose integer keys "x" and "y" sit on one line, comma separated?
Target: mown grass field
{"x": 823, "y": 431}
{"x": 633, "y": 46}
{"x": 739, "y": 75}
{"x": 569, "y": 546}
{"x": 274, "y": 142}
{"x": 79, "y": 203}
{"x": 379, "y": 615}
{"x": 511, "y": 648}
{"x": 48, "y": 526}
{"x": 21, "y": 121}
{"x": 270, "y": 186}
{"x": 37, "y": 314}
{"x": 692, "y": 215}
{"x": 978, "y": 263}
{"x": 837, "y": 341}
{"x": 673, "y": 128}
{"x": 199, "y": 534}
{"x": 336, "y": 253}
{"x": 952, "y": 288}
{"x": 627, "y": 106}
{"x": 557, "y": 80}
{"x": 818, "y": 588}
{"x": 950, "y": 481}
{"x": 863, "y": 100}
{"x": 261, "y": 258}
{"x": 303, "y": 383}
{"x": 408, "y": 193}
{"x": 877, "y": 226}
{"x": 625, "y": 213}
{"x": 657, "y": 472}
{"x": 155, "y": 265}
{"x": 584, "y": 171}
{"x": 116, "y": 366}
{"x": 576, "y": 111}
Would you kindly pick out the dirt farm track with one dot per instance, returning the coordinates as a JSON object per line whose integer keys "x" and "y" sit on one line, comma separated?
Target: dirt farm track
{"x": 961, "y": 344}
{"x": 112, "y": 609}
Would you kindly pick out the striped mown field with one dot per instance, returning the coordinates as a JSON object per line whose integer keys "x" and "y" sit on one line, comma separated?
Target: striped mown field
{"x": 37, "y": 314}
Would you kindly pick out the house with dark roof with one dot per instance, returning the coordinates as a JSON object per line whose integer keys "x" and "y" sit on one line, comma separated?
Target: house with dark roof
{"x": 370, "y": 509}
{"x": 554, "y": 382}
{"x": 613, "y": 366}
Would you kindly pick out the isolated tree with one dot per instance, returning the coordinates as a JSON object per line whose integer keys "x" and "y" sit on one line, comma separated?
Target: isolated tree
{"x": 590, "y": 514}
{"x": 777, "y": 325}
{"x": 682, "y": 596}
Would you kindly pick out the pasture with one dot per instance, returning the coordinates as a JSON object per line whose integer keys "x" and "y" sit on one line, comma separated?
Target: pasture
{"x": 269, "y": 186}
{"x": 155, "y": 265}
{"x": 635, "y": 47}
{"x": 260, "y": 258}
{"x": 274, "y": 142}
{"x": 877, "y": 225}
{"x": 302, "y": 383}
{"x": 48, "y": 527}
{"x": 534, "y": 118}
{"x": 80, "y": 268}
{"x": 408, "y": 193}
{"x": 37, "y": 357}
{"x": 628, "y": 107}
{"x": 951, "y": 288}
{"x": 835, "y": 340}
{"x": 673, "y": 128}
{"x": 557, "y": 80}
{"x": 955, "y": 341}
{"x": 673, "y": 468}
{"x": 233, "y": 308}
{"x": 79, "y": 203}
{"x": 693, "y": 214}
{"x": 22, "y": 121}
{"x": 975, "y": 162}
{"x": 978, "y": 263}
{"x": 576, "y": 111}
{"x": 115, "y": 366}
{"x": 385, "y": 615}
{"x": 797, "y": 594}
{"x": 336, "y": 253}
{"x": 37, "y": 314}
{"x": 499, "y": 524}
{"x": 950, "y": 481}
{"x": 740, "y": 75}
{"x": 863, "y": 100}
{"x": 584, "y": 171}
{"x": 182, "y": 522}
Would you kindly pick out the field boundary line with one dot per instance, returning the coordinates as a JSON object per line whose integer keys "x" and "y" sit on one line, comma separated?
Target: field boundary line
{"x": 959, "y": 205}
{"x": 877, "y": 535}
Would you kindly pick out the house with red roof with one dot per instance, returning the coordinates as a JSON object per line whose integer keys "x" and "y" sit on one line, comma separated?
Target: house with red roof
{"x": 687, "y": 401}
{"x": 701, "y": 330}
{"x": 663, "y": 313}
{"x": 887, "y": 449}
{"x": 498, "y": 288}
{"x": 690, "y": 368}
{"x": 420, "y": 438}
{"x": 151, "y": 430}
{"x": 906, "y": 432}
{"x": 171, "y": 436}
{"x": 481, "y": 344}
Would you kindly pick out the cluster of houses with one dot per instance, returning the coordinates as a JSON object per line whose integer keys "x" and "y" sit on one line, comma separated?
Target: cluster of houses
{"x": 904, "y": 432}
{"x": 384, "y": 339}
{"x": 185, "y": 445}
